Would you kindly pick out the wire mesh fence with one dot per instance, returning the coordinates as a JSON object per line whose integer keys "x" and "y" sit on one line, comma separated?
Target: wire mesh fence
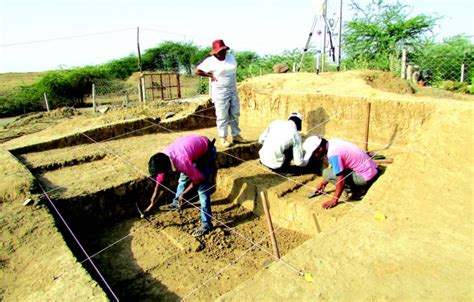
{"x": 114, "y": 92}
{"x": 434, "y": 65}
{"x": 139, "y": 90}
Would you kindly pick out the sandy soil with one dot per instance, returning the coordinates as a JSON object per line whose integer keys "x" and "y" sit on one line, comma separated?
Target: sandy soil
{"x": 421, "y": 251}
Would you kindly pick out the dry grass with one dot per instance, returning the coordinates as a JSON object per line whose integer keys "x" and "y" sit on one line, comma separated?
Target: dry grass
{"x": 12, "y": 80}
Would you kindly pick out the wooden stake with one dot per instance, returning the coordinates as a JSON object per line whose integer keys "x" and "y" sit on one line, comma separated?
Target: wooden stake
{"x": 315, "y": 218}
{"x": 276, "y": 252}
{"x": 367, "y": 124}
{"x": 383, "y": 161}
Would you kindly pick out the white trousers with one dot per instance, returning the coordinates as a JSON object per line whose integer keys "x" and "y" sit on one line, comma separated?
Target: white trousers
{"x": 227, "y": 113}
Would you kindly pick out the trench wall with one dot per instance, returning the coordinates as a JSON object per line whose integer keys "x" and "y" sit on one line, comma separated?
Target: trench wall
{"x": 396, "y": 119}
{"x": 204, "y": 119}
{"x": 400, "y": 125}
{"x": 89, "y": 211}
{"x": 36, "y": 263}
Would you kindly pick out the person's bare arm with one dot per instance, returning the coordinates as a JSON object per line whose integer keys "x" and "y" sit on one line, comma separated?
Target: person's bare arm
{"x": 153, "y": 199}
{"x": 319, "y": 189}
{"x": 339, "y": 188}
{"x": 189, "y": 188}
{"x": 201, "y": 73}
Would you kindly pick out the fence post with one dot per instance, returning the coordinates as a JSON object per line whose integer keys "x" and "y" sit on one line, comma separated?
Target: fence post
{"x": 409, "y": 72}
{"x": 142, "y": 80}
{"x": 404, "y": 63}
{"x": 46, "y": 101}
{"x": 94, "y": 105}
{"x": 161, "y": 87}
{"x": 178, "y": 84}
{"x": 139, "y": 89}
{"x": 463, "y": 66}
{"x": 126, "y": 99}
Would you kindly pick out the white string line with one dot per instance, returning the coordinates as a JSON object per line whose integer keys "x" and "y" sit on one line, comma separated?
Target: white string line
{"x": 128, "y": 133}
{"x": 263, "y": 238}
{"x": 79, "y": 244}
{"x": 66, "y": 38}
{"x": 119, "y": 240}
{"x": 235, "y": 157}
{"x": 85, "y": 177}
{"x": 232, "y": 263}
{"x": 106, "y": 140}
{"x": 196, "y": 207}
{"x": 193, "y": 197}
{"x": 170, "y": 190}
{"x": 289, "y": 222}
{"x": 131, "y": 234}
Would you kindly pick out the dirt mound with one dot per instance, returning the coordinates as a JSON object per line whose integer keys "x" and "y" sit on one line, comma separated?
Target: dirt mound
{"x": 388, "y": 82}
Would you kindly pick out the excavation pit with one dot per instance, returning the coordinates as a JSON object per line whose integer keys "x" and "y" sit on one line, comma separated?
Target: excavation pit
{"x": 157, "y": 258}
{"x": 423, "y": 195}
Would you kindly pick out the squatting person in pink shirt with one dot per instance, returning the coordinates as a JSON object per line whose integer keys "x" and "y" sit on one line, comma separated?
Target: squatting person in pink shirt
{"x": 194, "y": 156}
{"x": 351, "y": 167}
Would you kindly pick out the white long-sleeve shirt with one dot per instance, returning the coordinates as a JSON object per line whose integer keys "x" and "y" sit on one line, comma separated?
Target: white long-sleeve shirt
{"x": 280, "y": 136}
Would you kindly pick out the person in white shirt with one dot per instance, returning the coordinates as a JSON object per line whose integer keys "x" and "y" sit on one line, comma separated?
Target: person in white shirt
{"x": 221, "y": 67}
{"x": 282, "y": 143}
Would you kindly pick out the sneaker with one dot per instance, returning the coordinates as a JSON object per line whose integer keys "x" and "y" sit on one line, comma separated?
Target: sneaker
{"x": 238, "y": 139}
{"x": 224, "y": 142}
{"x": 170, "y": 207}
{"x": 201, "y": 231}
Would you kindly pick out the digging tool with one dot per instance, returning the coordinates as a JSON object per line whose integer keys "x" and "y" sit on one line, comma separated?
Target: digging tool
{"x": 315, "y": 193}
{"x": 142, "y": 215}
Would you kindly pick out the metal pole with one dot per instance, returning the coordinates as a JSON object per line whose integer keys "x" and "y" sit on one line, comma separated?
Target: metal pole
{"x": 276, "y": 252}
{"x": 325, "y": 29}
{"x": 340, "y": 38}
{"x": 139, "y": 54}
{"x": 463, "y": 66}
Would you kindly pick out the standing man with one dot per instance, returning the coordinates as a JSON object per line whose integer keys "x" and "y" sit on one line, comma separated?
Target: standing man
{"x": 194, "y": 156}
{"x": 221, "y": 67}
{"x": 281, "y": 142}
{"x": 350, "y": 167}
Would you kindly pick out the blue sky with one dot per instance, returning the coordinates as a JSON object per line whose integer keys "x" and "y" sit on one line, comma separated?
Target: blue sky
{"x": 49, "y": 34}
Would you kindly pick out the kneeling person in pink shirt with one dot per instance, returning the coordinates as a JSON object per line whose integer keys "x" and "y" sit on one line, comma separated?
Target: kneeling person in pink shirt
{"x": 351, "y": 167}
{"x": 194, "y": 156}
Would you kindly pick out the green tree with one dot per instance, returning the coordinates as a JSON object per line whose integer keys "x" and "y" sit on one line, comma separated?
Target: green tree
{"x": 379, "y": 31}
{"x": 70, "y": 86}
{"x": 122, "y": 68}
{"x": 170, "y": 56}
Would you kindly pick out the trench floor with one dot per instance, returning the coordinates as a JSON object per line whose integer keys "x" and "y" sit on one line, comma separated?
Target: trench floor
{"x": 157, "y": 259}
